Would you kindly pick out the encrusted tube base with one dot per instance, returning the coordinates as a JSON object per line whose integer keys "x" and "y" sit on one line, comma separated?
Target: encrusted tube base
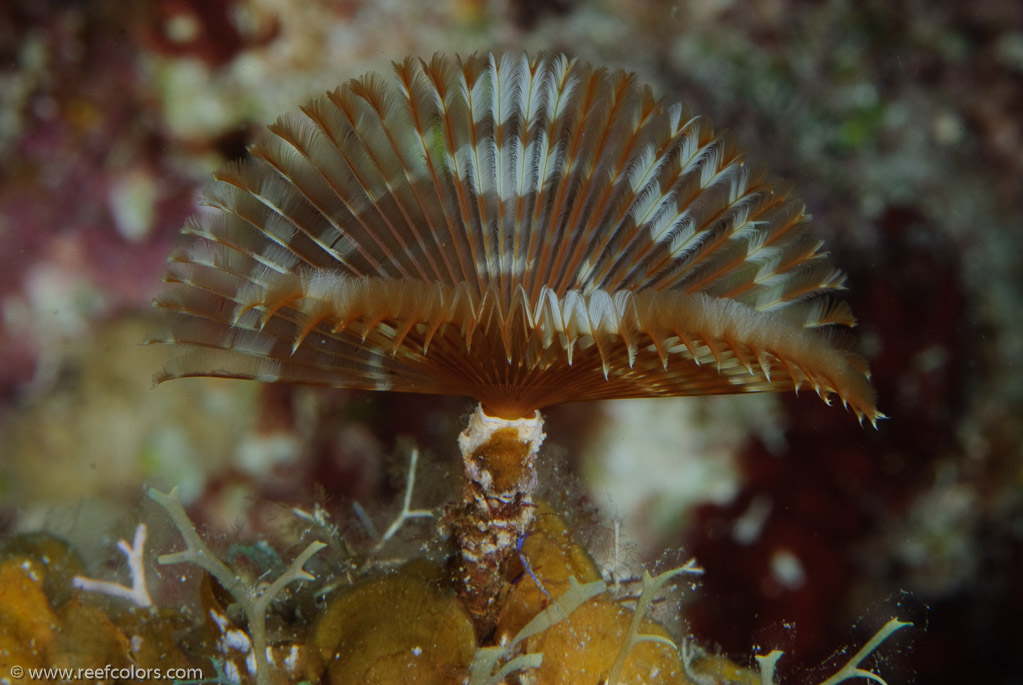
{"x": 497, "y": 508}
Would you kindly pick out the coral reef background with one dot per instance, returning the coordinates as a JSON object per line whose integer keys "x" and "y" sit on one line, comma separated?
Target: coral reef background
{"x": 899, "y": 124}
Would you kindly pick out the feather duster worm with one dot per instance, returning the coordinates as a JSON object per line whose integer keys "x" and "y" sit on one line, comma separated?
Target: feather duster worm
{"x": 524, "y": 231}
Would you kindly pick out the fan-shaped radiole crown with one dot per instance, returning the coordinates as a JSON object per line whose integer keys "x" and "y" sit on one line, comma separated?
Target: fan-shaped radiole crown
{"x": 526, "y": 231}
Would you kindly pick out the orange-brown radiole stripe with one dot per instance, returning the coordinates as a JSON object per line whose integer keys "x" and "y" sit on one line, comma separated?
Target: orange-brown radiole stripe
{"x": 648, "y": 343}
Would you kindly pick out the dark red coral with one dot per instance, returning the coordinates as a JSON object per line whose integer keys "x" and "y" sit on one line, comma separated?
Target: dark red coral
{"x": 207, "y": 29}
{"x": 831, "y": 493}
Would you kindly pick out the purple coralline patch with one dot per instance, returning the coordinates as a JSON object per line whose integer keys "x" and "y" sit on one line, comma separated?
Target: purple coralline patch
{"x": 77, "y": 132}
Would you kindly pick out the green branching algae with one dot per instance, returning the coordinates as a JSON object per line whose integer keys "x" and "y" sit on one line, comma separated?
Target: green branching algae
{"x": 254, "y": 600}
